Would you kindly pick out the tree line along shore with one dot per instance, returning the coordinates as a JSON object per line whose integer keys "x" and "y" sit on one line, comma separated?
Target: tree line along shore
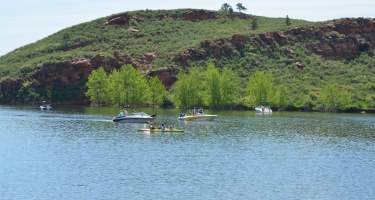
{"x": 211, "y": 87}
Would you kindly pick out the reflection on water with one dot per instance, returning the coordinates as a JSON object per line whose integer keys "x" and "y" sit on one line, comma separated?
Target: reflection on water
{"x": 79, "y": 153}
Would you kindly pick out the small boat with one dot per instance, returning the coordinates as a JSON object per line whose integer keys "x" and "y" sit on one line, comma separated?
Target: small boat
{"x": 134, "y": 118}
{"x": 197, "y": 117}
{"x": 200, "y": 115}
{"x": 263, "y": 110}
{"x": 160, "y": 130}
{"x": 45, "y": 106}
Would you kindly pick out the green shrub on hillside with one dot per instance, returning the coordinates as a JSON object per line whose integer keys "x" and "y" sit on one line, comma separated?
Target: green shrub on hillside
{"x": 124, "y": 87}
{"x": 259, "y": 89}
{"x": 188, "y": 91}
{"x": 333, "y": 97}
{"x": 230, "y": 88}
{"x": 97, "y": 87}
{"x": 280, "y": 97}
{"x": 209, "y": 87}
{"x": 129, "y": 87}
{"x": 115, "y": 85}
{"x": 222, "y": 88}
{"x": 158, "y": 92}
{"x": 212, "y": 83}
{"x": 27, "y": 93}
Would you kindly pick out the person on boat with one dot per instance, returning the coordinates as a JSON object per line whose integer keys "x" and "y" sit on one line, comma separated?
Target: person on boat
{"x": 162, "y": 126}
{"x": 126, "y": 113}
{"x": 200, "y": 111}
{"x": 151, "y": 127}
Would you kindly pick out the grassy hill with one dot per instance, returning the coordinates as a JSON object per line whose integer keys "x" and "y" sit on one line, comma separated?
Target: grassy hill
{"x": 305, "y": 56}
{"x": 164, "y": 32}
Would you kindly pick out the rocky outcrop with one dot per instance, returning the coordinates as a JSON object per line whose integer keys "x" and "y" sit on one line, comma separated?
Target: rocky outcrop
{"x": 143, "y": 62}
{"x": 341, "y": 39}
{"x": 9, "y": 90}
{"x": 123, "y": 58}
{"x": 121, "y": 19}
{"x": 217, "y": 48}
{"x": 148, "y": 58}
{"x": 133, "y": 30}
{"x": 168, "y": 75}
{"x": 199, "y": 15}
{"x": 64, "y": 82}
{"x": 56, "y": 80}
{"x": 299, "y": 65}
{"x": 193, "y": 15}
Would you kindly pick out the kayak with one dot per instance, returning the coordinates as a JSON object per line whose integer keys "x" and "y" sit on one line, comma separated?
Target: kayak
{"x": 161, "y": 130}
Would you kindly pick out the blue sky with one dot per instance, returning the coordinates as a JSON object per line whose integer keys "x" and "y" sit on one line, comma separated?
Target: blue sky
{"x": 26, "y": 21}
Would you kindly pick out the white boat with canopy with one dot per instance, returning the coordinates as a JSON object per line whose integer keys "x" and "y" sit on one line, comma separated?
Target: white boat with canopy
{"x": 197, "y": 114}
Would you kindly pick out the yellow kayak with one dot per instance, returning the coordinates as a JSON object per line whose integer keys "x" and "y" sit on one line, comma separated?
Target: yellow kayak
{"x": 160, "y": 130}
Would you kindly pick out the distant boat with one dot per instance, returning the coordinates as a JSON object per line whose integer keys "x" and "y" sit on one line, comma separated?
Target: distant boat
{"x": 197, "y": 115}
{"x": 263, "y": 110}
{"x": 134, "y": 118}
{"x": 45, "y": 106}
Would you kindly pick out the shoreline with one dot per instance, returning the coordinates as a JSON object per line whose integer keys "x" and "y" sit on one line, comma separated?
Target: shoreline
{"x": 234, "y": 108}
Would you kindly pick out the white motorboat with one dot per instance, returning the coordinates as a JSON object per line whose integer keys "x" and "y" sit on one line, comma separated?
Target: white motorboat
{"x": 263, "y": 110}
{"x": 45, "y": 106}
{"x": 199, "y": 115}
{"x": 134, "y": 118}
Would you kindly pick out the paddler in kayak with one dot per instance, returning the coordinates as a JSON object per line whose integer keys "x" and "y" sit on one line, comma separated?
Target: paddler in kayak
{"x": 162, "y": 127}
{"x": 151, "y": 125}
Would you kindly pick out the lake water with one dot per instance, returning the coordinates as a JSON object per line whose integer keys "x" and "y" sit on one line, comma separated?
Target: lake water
{"x": 78, "y": 153}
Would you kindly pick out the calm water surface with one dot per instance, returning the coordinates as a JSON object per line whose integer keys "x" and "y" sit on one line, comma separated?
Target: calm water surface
{"x": 78, "y": 153}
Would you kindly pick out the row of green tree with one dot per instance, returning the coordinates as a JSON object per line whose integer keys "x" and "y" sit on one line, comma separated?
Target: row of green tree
{"x": 126, "y": 86}
{"x": 209, "y": 87}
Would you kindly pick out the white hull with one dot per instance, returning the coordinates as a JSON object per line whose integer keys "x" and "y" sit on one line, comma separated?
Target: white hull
{"x": 263, "y": 110}
{"x": 48, "y": 107}
{"x": 198, "y": 117}
{"x": 136, "y": 118}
